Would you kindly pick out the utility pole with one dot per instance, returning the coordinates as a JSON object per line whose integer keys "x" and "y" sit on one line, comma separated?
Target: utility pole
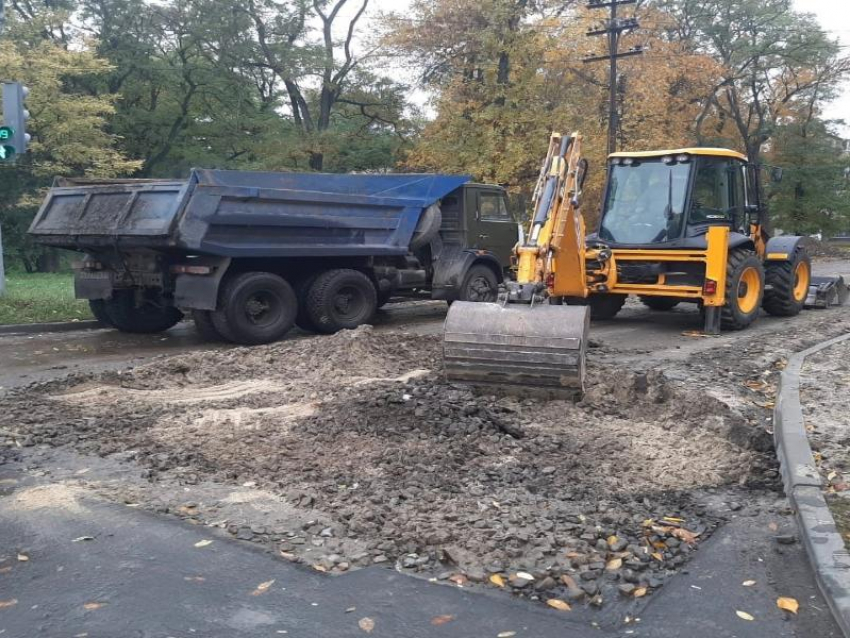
{"x": 2, "y": 268}
{"x": 612, "y": 29}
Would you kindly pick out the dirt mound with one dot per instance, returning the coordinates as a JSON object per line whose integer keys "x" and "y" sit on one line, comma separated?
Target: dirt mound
{"x": 362, "y": 429}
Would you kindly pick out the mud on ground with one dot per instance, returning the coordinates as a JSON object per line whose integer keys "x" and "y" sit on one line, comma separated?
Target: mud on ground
{"x": 367, "y": 456}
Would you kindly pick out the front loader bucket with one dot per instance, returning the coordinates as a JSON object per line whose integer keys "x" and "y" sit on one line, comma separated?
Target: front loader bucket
{"x": 517, "y": 346}
{"x": 826, "y": 291}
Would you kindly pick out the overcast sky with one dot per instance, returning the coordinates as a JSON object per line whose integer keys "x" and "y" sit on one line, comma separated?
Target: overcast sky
{"x": 834, "y": 15}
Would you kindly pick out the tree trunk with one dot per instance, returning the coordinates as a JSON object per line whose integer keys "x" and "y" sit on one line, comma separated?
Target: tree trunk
{"x": 316, "y": 161}
{"x": 48, "y": 261}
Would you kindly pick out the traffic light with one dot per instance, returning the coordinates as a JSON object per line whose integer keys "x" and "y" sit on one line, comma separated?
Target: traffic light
{"x": 13, "y": 136}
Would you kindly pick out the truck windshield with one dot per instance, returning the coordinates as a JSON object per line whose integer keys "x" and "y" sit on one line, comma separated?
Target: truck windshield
{"x": 645, "y": 202}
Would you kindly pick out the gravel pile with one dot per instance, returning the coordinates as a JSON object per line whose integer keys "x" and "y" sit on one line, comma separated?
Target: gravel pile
{"x": 386, "y": 463}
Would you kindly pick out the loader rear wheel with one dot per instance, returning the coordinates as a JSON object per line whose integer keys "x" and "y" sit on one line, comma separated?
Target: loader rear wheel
{"x": 602, "y": 305}
{"x": 98, "y": 309}
{"x": 789, "y": 284}
{"x": 480, "y": 284}
{"x": 204, "y": 325}
{"x": 255, "y": 307}
{"x": 744, "y": 290}
{"x": 659, "y": 303}
{"x": 146, "y": 318}
{"x": 341, "y": 299}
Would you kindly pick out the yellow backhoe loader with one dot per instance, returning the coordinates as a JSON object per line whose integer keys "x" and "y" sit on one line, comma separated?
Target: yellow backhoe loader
{"x": 683, "y": 225}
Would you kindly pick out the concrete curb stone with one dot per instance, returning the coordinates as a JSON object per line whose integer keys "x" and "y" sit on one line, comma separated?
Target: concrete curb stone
{"x": 803, "y": 486}
{"x": 58, "y": 326}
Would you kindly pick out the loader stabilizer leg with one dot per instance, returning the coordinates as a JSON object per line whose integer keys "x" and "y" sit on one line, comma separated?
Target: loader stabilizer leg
{"x": 712, "y": 320}
{"x": 519, "y": 348}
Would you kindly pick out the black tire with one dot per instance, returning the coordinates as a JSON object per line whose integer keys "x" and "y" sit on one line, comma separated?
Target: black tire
{"x": 659, "y": 303}
{"x": 789, "y": 284}
{"x": 255, "y": 307}
{"x": 147, "y": 318}
{"x": 480, "y": 284}
{"x": 602, "y": 305}
{"x": 98, "y": 309}
{"x": 341, "y": 299}
{"x": 383, "y": 298}
{"x": 302, "y": 317}
{"x": 205, "y": 327}
{"x": 741, "y": 310}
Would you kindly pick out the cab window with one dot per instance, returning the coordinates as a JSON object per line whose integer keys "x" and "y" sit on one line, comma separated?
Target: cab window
{"x": 718, "y": 193}
{"x": 491, "y": 207}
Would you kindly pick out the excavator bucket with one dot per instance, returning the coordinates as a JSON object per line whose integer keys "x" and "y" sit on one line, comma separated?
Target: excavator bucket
{"x": 517, "y": 347}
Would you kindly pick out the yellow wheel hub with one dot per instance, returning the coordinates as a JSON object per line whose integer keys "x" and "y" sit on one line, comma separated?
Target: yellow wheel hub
{"x": 749, "y": 287}
{"x": 802, "y": 278}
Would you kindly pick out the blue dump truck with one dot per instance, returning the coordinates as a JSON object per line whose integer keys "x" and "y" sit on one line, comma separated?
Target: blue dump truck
{"x": 251, "y": 254}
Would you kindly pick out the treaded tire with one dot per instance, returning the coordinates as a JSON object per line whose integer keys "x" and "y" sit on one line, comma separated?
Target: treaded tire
{"x": 255, "y": 307}
{"x": 479, "y": 284}
{"x": 732, "y": 315}
{"x": 659, "y": 303}
{"x": 146, "y": 319}
{"x": 302, "y": 317}
{"x": 98, "y": 309}
{"x": 782, "y": 276}
{"x": 204, "y": 325}
{"x": 602, "y": 305}
{"x": 341, "y": 299}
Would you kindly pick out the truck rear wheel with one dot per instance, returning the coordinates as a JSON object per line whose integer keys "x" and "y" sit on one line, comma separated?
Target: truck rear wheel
{"x": 255, "y": 307}
{"x": 789, "y": 284}
{"x": 302, "y": 317}
{"x": 341, "y": 299}
{"x": 146, "y": 318}
{"x": 98, "y": 309}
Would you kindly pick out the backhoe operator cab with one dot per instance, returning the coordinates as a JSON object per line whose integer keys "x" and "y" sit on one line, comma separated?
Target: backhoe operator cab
{"x": 688, "y": 225}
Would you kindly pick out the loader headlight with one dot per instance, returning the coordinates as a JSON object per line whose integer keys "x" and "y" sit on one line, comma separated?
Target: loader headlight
{"x": 683, "y": 158}
{"x": 668, "y": 159}
{"x": 628, "y": 161}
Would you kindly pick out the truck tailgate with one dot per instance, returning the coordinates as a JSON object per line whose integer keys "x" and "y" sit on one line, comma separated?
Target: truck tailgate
{"x": 76, "y": 213}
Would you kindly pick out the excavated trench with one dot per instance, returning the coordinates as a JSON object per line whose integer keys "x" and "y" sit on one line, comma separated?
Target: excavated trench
{"x": 376, "y": 459}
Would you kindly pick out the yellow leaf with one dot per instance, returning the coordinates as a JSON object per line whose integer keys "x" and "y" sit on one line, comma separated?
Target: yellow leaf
{"x": 673, "y": 519}
{"x": 648, "y": 522}
{"x": 442, "y": 620}
{"x": 262, "y": 588}
{"x": 657, "y": 556}
{"x": 366, "y": 624}
{"x": 93, "y": 606}
{"x": 611, "y": 540}
{"x": 569, "y": 581}
{"x": 640, "y": 592}
{"x": 320, "y": 568}
{"x": 497, "y": 580}
{"x": 744, "y": 615}
{"x": 788, "y": 604}
{"x": 8, "y": 603}
{"x": 203, "y": 543}
{"x": 748, "y": 583}
{"x": 560, "y": 605}
{"x": 614, "y": 564}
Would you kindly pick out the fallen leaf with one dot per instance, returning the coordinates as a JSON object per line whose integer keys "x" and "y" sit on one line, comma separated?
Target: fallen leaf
{"x": 558, "y": 604}
{"x": 203, "y": 543}
{"x": 773, "y": 526}
{"x": 569, "y": 581}
{"x": 744, "y": 615}
{"x": 524, "y": 576}
{"x": 195, "y": 579}
{"x": 320, "y": 568}
{"x": 350, "y": 609}
{"x": 640, "y": 592}
{"x": 506, "y": 634}
{"x": 657, "y": 556}
{"x": 659, "y": 545}
{"x": 611, "y": 540}
{"x": 93, "y": 606}
{"x": 366, "y": 624}
{"x": 4, "y": 570}
{"x": 23, "y": 557}
{"x": 685, "y": 535}
{"x": 8, "y": 603}
{"x": 788, "y": 604}
{"x": 748, "y": 583}
{"x": 497, "y": 580}
{"x": 694, "y": 333}
{"x": 442, "y": 620}
{"x": 459, "y": 579}
{"x": 614, "y": 564}
{"x": 673, "y": 519}
{"x": 262, "y": 588}
{"x": 831, "y": 475}
{"x": 83, "y": 538}
{"x": 648, "y": 522}
{"x": 573, "y": 554}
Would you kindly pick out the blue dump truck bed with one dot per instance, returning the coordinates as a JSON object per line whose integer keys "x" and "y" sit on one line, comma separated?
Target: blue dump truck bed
{"x": 242, "y": 213}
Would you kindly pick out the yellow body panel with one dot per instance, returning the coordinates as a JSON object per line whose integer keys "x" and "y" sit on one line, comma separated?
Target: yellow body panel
{"x": 714, "y": 152}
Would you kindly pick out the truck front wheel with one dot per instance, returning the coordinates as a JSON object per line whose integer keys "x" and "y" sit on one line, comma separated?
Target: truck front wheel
{"x": 98, "y": 309}
{"x": 145, "y": 318}
{"x": 341, "y": 299}
{"x": 480, "y": 284}
{"x": 255, "y": 307}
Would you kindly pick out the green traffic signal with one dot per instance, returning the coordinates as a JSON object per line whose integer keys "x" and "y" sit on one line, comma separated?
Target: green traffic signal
{"x": 7, "y": 152}
{"x": 6, "y": 133}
